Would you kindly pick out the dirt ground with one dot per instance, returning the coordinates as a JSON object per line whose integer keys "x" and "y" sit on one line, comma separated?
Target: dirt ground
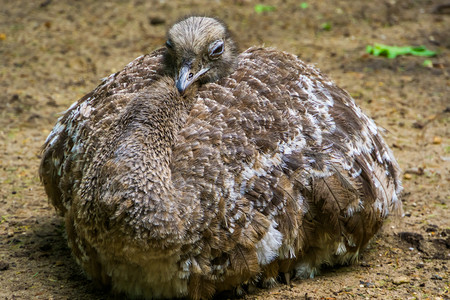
{"x": 53, "y": 52}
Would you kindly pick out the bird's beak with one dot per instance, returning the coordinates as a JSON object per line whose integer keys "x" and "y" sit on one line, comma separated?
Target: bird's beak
{"x": 186, "y": 77}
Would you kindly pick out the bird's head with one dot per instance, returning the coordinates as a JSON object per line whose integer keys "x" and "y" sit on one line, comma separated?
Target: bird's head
{"x": 199, "y": 49}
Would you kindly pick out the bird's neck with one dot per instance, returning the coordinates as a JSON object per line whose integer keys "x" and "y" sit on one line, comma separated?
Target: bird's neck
{"x": 153, "y": 125}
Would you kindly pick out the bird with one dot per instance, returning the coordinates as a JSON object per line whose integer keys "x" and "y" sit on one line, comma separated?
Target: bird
{"x": 197, "y": 170}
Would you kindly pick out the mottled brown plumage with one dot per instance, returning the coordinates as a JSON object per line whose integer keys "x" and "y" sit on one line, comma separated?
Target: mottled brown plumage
{"x": 194, "y": 171}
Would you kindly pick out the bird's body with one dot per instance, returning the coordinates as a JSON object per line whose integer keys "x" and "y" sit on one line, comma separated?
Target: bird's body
{"x": 172, "y": 190}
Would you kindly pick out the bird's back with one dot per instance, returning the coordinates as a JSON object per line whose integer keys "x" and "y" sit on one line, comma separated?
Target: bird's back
{"x": 285, "y": 158}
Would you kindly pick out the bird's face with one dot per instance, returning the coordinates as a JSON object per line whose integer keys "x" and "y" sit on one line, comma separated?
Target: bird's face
{"x": 199, "y": 49}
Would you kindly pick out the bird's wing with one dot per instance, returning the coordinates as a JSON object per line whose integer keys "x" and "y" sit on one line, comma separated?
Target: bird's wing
{"x": 71, "y": 143}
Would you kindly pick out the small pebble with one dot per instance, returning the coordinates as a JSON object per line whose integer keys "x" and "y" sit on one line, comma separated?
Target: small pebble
{"x": 407, "y": 176}
{"x": 400, "y": 280}
{"x": 156, "y": 20}
{"x": 4, "y": 265}
{"x": 365, "y": 264}
{"x": 366, "y": 284}
{"x": 436, "y": 277}
{"x": 437, "y": 140}
{"x": 415, "y": 170}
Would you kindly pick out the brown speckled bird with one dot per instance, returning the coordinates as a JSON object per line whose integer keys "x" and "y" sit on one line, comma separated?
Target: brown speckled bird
{"x": 196, "y": 170}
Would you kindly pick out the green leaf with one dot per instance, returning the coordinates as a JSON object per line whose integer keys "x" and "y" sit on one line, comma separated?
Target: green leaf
{"x": 427, "y": 63}
{"x": 303, "y": 5}
{"x": 422, "y": 51}
{"x": 394, "y": 51}
{"x": 260, "y": 8}
{"x": 326, "y": 26}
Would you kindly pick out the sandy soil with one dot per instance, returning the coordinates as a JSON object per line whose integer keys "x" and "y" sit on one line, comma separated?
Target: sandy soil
{"x": 53, "y": 52}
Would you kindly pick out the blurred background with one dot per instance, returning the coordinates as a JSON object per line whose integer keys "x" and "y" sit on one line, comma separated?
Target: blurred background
{"x": 53, "y": 52}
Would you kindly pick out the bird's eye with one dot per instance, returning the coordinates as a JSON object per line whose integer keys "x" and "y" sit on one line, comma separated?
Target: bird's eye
{"x": 169, "y": 44}
{"x": 216, "y": 49}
